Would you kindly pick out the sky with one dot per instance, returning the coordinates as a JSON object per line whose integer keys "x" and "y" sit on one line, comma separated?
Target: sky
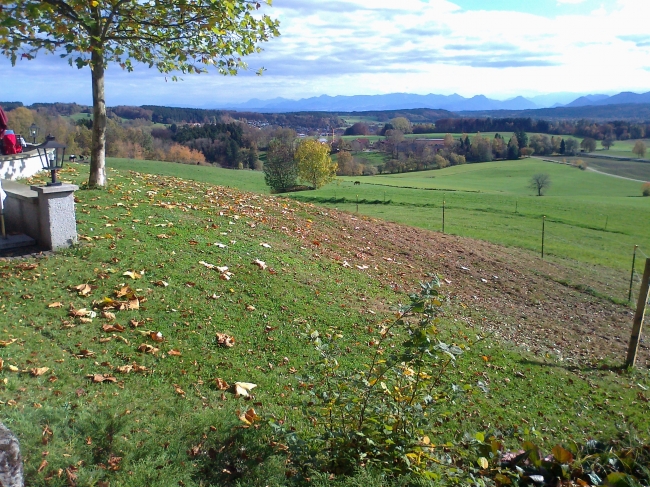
{"x": 498, "y": 48}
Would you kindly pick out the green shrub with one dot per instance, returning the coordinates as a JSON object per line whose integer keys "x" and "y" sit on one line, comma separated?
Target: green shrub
{"x": 378, "y": 416}
{"x": 646, "y": 189}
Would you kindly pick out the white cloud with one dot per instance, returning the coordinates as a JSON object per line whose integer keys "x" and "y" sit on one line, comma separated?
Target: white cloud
{"x": 382, "y": 46}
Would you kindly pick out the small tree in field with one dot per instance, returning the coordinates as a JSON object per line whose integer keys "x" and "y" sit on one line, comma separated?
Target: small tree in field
{"x": 280, "y": 171}
{"x": 646, "y": 189}
{"x": 639, "y": 149}
{"x": 588, "y": 144}
{"x": 540, "y": 182}
{"x": 171, "y": 35}
{"x": 315, "y": 166}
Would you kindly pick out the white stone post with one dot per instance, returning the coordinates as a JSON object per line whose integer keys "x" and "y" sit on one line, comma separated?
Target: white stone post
{"x": 58, "y": 221}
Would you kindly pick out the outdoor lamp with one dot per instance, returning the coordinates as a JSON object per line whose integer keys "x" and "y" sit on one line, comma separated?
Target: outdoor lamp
{"x": 33, "y": 131}
{"x": 51, "y": 154}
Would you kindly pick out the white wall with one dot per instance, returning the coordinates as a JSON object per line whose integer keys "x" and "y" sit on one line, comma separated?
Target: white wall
{"x": 18, "y": 166}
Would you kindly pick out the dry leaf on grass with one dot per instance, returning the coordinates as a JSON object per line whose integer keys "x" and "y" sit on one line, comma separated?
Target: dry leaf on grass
{"x": 221, "y": 384}
{"x": 146, "y": 348}
{"x": 124, "y": 369}
{"x": 225, "y": 340}
{"x": 242, "y": 389}
{"x": 113, "y": 328}
{"x": 83, "y": 289}
{"x": 132, "y": 274}
{"x": 178, "y": 390}
{"x": 6, "y": 343}
{"x": 55, "y": 305}
{"x": 39, "y": 371}
{"x": 161, "y": 283}
{"x": 174, "y": 353}
{"x": 262, "y": 265}
{"x": 108, "y": 315}
{"x": 101, "y": 378}
{"x": 248, "y": 417}
{"x": 265, "y": 245}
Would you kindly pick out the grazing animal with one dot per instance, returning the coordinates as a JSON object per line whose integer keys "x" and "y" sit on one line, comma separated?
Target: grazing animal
{"x": 11, "y": 462}
{"x": 357, "y": 182}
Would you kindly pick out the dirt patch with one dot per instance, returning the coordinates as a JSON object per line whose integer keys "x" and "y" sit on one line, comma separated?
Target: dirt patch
{"x": 523, "y": 299}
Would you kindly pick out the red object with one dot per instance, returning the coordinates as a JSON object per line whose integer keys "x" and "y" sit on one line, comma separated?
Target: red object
{"x": 11, "y": 146}
{"x": 3, "y": 123}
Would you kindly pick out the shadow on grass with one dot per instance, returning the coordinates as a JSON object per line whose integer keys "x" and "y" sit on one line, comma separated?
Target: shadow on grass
{"x": 244, "y": 457}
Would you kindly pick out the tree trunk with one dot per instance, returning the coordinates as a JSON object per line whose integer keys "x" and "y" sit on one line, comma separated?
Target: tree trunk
{"x": 98, "y": 152}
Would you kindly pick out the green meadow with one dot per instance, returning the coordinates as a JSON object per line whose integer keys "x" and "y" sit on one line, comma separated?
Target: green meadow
{"x": 114, "y": 372}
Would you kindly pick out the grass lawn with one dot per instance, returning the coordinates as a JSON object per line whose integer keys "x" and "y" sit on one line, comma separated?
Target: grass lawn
{"x": 111, "y": 353}
{"x": 590, "y": 218}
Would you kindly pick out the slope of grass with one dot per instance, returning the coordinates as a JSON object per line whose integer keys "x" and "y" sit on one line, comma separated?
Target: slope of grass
{"x": 148, "y": 242}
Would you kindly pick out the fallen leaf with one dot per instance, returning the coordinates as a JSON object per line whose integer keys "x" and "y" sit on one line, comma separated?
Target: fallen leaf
{"x": 265, "y": 245}
{"x": 178, "y": 390}
{"x": 55, "y": 305}
{"x": 146, "y": 348}
{"x": 161, "y": 283}
{"x": 242, "y": 389}
{"x": 101, "y": 378}
{"x": 225, "y": 340}
{"x": 156, "y": 336}
{"x": 85, "y": 353}
{"x": 249, "y": 417}
{"x": 132, "y": 274}
{"x": 124, "y": 369}
{"x": 108, "y": 315}
{"x": 250, "y": 307}
{"x": 84, "y": 289}
{"x": 221, "y": 384}
{"x": 39, "y": 371}
{"x": 6, "y": 343}
{"x": 262, "y": 265}
{"x": 174, "y": 353}
{"x": 113, "y": 328}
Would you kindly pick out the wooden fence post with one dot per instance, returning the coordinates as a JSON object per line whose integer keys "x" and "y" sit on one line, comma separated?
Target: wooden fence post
{"x": 638, "y": 317}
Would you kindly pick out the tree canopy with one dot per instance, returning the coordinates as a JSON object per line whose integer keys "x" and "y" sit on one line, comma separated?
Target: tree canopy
{"x": 172, "y": 36}
{"x": 315, "y": 166}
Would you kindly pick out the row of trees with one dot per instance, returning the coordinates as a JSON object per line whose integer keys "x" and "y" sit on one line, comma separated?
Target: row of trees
{"x": 616, "y": 130}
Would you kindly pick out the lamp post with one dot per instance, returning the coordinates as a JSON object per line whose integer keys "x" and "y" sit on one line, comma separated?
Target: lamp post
{"x": 51, "y": 154}
{"x": 33, "y": 131}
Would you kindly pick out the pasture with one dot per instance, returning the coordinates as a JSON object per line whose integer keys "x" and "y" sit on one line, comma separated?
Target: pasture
{"x": 114, "y": 371}
{"x": 591, "y": 219}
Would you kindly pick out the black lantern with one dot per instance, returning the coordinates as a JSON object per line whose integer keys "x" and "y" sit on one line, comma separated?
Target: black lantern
{"x": 33, "y": 131}
{"x": 51, "y": 154}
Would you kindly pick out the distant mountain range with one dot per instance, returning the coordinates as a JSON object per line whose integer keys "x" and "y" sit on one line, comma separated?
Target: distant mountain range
{"x": 453, "y": 103}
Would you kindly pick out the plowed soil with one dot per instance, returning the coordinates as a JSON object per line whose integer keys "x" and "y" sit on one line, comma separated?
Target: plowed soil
{"x": 545, "y": 307}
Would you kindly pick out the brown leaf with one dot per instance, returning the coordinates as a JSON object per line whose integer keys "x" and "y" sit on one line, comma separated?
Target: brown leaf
{"x": 6, "y": 343}
{"x": 124, "y": 369}
{"x": 132, "y": 274}
{"x": 161, "y": 283}
{"x": 85, "y": 353}
{"x": 114, "y": 462}
{"x": 249, "y": 417}
{"x": 225, "y": 340}
{"x": 39, "y": 371}
{"x": 221, "y": 384}
{"x": 86, "y": 320}
{"x": 178, "y": 390}
{"x": 108, "y": 315}
{"x": 83, "y": 289}
{"x": 99, "y": 378}
{"x": 262, "y": 265}
{"x": 146, "y": 348}
{"x": 174, "y": 353}
{"x": 156, "y": 336}
{"x": 113, "y": 328}
{"x": 55, "y": 305}
{"x": 42, "y": 466}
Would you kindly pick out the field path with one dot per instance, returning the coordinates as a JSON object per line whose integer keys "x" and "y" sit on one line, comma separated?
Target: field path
{"x": 614, "y": 175}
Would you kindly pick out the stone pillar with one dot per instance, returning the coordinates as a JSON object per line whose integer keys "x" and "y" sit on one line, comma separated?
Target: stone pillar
{"x": 57, "y": 217}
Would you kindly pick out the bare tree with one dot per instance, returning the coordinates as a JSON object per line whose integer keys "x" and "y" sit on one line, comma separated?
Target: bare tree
{"x": 540, "y": 182}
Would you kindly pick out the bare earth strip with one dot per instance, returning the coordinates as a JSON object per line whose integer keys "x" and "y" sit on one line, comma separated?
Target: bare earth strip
{"x": 523, "y": 297}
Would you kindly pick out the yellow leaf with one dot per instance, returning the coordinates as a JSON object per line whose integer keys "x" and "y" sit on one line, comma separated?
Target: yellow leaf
{"x": 39, "y": 371}
{"x": 249, "y": 417}
{"x": 55, "y": 305}
{"x": 243, "y": 388}
{"x": 483, "y": 463}
{"x": 132, "y": 274}
{"x": 6, "y": 343}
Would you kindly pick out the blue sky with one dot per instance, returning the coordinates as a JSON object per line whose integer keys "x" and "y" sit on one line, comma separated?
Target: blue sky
{"x": 499, "y": 48}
